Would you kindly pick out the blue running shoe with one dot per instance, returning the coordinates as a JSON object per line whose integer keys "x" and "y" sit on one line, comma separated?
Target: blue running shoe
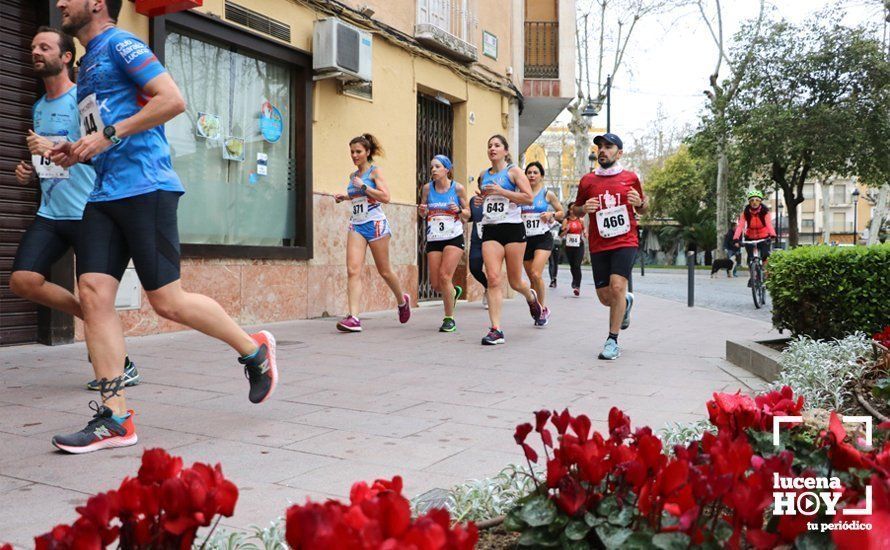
{"x": 610, "y": 350}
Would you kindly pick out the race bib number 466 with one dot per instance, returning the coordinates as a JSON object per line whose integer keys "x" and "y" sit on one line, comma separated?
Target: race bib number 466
{"x": 90, "y": 117}
{"x": 612, "y": 222}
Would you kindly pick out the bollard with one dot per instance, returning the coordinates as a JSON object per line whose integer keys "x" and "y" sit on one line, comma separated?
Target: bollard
{"x": 690, "y": 265}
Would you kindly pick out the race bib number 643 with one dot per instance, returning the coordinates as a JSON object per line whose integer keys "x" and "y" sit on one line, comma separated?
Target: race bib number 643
{"x": 612, "y": 222}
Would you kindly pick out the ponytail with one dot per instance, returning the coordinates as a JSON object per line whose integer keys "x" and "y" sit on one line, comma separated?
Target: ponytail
{"x": 370, "y": 143}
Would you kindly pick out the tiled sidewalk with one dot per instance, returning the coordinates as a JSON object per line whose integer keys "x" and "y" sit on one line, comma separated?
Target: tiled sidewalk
{"x": 434, "y": 408}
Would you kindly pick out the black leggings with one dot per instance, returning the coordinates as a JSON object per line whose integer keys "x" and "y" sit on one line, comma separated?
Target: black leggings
{"x": 575, "y": 255}
{"x": 476, "y": 268}
{"x": 554, "y": 261}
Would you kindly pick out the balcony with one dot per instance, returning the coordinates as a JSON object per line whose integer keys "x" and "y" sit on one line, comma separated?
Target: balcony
{"x": 542, "y": 49}
{"x": 446, "y": 26}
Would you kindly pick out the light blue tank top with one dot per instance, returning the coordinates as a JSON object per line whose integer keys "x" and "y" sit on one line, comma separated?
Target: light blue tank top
{"x": 442, "y": 223}
{"x": 364, "y": 208}
{"x": 496, "y": 209}
{"x": 539, "y": 206}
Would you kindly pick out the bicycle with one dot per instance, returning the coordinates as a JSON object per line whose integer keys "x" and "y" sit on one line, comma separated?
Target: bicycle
{"x": 758, "y": 288}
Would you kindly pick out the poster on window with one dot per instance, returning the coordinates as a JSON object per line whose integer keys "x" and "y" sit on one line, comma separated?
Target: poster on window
{"x": 208, "y": 126}
{"x": 271, "y": 124}
{"x": 233, "y": 149}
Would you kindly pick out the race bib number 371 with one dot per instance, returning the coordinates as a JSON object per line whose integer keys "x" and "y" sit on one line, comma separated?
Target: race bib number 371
{"x": 612, "y": 222}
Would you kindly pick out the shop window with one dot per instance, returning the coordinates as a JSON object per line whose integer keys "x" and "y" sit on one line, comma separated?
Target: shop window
{"x": 233, "y": 146}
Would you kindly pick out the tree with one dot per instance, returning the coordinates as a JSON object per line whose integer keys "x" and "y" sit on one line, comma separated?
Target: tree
{"x": 678, "y": 183}
{"x": 875, "y": 147}
{"x": 799, "y": 113}
{"x": 720, "y": 96}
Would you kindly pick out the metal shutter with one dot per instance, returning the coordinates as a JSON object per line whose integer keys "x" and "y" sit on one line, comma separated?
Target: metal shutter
{"x": 18, "y": 91}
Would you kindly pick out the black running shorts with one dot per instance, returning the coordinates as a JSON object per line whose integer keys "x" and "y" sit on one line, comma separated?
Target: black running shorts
{"x": 504, "y": 233}
{"x": 44, "y": 243}
{"x": 439, "y": 246}
{"x": 619, "y": 261}
{"x": 142, "y": 228}
{"x": 538, "y": 242}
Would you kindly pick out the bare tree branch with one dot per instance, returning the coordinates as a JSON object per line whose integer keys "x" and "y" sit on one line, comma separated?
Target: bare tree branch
{"x": 743, "y": 66}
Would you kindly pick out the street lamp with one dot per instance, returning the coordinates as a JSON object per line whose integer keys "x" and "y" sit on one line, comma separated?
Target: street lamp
{"x": 592, "y": 108}
{"x": 855, "y": 215}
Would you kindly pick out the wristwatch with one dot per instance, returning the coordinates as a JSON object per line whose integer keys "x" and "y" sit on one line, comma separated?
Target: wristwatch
{"x": 364, "y": 187}
{"x": 111, "y": 133}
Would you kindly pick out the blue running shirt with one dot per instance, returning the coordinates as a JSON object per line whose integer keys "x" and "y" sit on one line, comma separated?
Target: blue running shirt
{"x": 113, "y": 72}
{"x": 60, "y": 198}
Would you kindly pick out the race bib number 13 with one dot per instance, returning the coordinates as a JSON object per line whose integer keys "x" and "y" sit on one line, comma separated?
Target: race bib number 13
{"x": 90, "y": 117}
{"x": 612, "y": 222}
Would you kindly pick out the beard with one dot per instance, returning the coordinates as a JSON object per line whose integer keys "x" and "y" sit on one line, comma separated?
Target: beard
{"x": 49, "y": 69}
{"x": 76, "y": 20}
{"x": 605, "y": 164}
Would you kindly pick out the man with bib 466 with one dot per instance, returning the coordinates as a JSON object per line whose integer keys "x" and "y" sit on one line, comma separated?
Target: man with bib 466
{"x": 611, "y": 196}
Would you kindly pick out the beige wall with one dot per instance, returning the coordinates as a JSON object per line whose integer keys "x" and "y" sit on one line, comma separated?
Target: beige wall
{"x": 495, "y": 16}
{"x": 541, "y": 10}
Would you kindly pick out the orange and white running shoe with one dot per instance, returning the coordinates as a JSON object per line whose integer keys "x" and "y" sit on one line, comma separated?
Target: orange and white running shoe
{"x": 102, "y": 432}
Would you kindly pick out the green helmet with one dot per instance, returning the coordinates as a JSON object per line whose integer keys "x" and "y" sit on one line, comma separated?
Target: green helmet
{"x": 755, "y": 193}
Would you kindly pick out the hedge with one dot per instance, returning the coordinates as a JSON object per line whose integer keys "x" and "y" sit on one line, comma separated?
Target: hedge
{"x": 829, "y": 292}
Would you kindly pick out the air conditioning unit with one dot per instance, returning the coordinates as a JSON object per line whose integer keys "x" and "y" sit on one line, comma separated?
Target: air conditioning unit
{"x": 341, "y": 50}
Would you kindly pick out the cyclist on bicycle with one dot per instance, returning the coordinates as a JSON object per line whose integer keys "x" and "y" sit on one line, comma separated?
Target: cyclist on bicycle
{"x": 755, "y": 223}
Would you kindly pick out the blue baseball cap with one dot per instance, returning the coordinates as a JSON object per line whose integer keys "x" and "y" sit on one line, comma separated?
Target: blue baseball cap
{"x": 610, "y": 138}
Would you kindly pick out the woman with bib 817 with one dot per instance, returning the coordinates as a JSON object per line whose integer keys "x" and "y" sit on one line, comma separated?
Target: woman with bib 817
{"x": 443, "y": 204}
{"x": 538, "y": 238}
{"x": 368, "y": 228}
{"x": 502, "y": 188}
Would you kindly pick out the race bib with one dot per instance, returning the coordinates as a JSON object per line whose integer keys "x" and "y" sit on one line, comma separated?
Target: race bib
{"x": 45, "y": 168}
{"x": 90, "y": 117}
{"x": 439, "y": 228}
{"x": 495, "y": 208}
{"x": 533, "y": 225}
{"x": 360, "y": 210}
{"x": 612, "y": 222}
{"x": 573, "y": 239}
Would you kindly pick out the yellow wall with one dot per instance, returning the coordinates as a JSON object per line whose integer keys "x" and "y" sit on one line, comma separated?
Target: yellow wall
{"x": 391, "y": 115}
{"x": 541, "y": 10}
{"x": 495, "y": 16}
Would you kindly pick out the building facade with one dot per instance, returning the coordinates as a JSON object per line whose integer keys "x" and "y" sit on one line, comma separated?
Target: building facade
{"x": 847, "y": 216}
{"x": 263, "y": 145}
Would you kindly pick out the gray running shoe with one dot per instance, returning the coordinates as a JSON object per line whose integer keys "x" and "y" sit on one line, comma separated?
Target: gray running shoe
{"x": 610, "y": 350}
{"x": 625, "y": 323}
{"x": 131, "y": 377}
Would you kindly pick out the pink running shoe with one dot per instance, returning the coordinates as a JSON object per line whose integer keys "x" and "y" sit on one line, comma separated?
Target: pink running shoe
{"x": 577, "y": 291}
{"x": 534, "y": 307}
{"x": 405, "y": 310}
{"x": 349, "y": 324}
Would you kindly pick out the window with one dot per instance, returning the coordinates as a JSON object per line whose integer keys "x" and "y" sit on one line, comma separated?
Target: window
{"x": 808, "y": 191}
{"x": 840, "y": 196}
{"x": 839, "y": 221}
{"x": 807, "y": 224}
{"x": 243, "y": 146}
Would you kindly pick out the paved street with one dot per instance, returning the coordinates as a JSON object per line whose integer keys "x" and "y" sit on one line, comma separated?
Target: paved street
{"x": 436, "y": 408}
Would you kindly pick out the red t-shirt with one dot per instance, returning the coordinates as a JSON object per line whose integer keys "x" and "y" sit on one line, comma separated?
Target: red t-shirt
{"x": 575, "y": 227}
{"x": 611, "y": 191}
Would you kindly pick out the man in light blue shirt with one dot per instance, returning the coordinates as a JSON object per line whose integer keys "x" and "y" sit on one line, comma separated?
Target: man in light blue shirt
{"x": 63, "y": 191}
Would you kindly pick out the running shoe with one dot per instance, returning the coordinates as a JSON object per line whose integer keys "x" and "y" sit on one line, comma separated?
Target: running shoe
{"x": 625, "y": 323}
{"x": 405, "y": 310}
{"x": 131, "y": 376}
{"x": 610, "y": 350}
{"x": 545, "y": 318}
{"x": 577, "y": 291}
{"x": 349, "y": 324}
{"x": 534, "y": 307}
{"x": 750, "y": 283}
{"x": 493, "y": 337}
{"x": 553, "y": 283}
{"x": 485, "y": 300}
{"x": 102, "y": 432}
{"x": 261, "y": 369}
{"x": 448, "y": 325}
{"x": 458, "y": 292}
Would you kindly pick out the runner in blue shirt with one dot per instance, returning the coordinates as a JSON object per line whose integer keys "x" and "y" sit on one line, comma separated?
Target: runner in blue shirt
{"x": 63, "y": 192}
{"x": 124, "y": 98}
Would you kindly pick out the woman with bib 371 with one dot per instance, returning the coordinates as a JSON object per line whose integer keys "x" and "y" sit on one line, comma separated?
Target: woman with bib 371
{"x": 502, "y": 188}
{"x": 368, "y": 228}
{"x": 443, "y": 204}
{"x": 538, "y": 238}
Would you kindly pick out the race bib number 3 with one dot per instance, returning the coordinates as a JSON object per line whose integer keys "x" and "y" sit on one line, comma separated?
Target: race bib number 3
{"x": 360, "y": 210}
{"x": 573, "y": 240}
{"x": 439, "y": 227}
{"x": 45, "y": 168}
{"x": 613, "y": 222}
{"x": 90, "y": 117}
{"x": 495, "y": 207}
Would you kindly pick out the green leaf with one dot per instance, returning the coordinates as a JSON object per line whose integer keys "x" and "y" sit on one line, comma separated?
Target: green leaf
{"x": 608, "y": 506}
{"x": 538, "y": 537}
{"x": 624, "y": 517}
{"x": 811, "y": 540}
{"x": 593, "y": 520}
{"x": 576, "y": 530}
{"x": 538, "y": 511}
{"x": 640, "y": 540}
{"x": 671, "y": 541}
{"x": 512, "y": 522}
{"x": 613, "y": 537}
